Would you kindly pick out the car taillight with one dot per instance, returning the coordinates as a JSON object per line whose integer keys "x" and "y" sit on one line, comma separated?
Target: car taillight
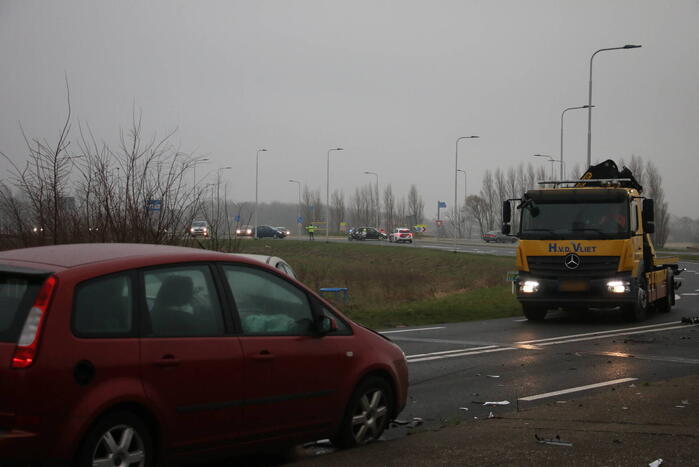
{"x": 26, "y": 349}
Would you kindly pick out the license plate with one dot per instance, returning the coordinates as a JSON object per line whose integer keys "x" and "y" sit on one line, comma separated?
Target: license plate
{"x": 574, "y": 286}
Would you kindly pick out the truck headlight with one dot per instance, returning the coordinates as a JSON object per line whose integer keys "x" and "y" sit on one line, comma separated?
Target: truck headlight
{"x": 529, "y": 286}
{"x": 618, "y": 286}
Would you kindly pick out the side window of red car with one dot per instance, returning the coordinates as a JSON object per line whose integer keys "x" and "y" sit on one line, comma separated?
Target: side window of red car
{"x": 103, "y": 307}
{"x": 268, "y": 305}
{"x": 182, "y": 302}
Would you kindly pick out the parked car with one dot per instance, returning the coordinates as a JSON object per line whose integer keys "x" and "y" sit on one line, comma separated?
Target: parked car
{"x": 401, "y": 234}
{"x": 134, "y": 354}
{"x": 498, "y": 237}
{"x": 273, "y": 261}
{"x": 366, "y": 233}
{"x": 199, "y": 229}
{"x": 244, "y": 231}
{"x": 267, "y": 231}
{"x": 284, "y": 230}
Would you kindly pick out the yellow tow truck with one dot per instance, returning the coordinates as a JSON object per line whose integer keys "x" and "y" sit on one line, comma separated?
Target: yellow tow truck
{"x": 586, "y": 244}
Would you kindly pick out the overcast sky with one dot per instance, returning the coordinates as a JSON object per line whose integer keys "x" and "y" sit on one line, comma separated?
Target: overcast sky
{"x": 393, "y": 82}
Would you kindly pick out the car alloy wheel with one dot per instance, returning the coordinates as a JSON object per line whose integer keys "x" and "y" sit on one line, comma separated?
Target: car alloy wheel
{"x": 121, "y": 439}
{"x": 367, "y": 414}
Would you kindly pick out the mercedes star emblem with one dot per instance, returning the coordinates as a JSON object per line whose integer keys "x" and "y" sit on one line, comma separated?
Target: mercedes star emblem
{"x": 572, "y": 261}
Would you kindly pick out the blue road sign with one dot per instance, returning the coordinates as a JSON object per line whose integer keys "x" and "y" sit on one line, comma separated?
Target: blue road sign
{"x": 299, "y": 220}
{"x": 153, "y": 204}
{"x": 236, "y": 218}
{"x": 441, "y": 204}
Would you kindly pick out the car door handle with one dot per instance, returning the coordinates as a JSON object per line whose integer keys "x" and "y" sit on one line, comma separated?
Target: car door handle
{"x": 264, "y": 355}
{"x": 168, "y": 360}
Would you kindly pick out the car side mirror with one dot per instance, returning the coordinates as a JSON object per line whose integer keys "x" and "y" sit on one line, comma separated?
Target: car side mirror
{"x": 326, "y": 325}
{"x": 506, "y": 212}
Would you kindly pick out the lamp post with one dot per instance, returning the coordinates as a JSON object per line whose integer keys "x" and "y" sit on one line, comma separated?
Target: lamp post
{"x": 327, "y": 193}
{"x": 257, "y": 176}
{"x": 378, "y": 203}
{"x": 551, "y": 159}
{"x": 456, "y": 174}
{"x": 298, "y": 209}
{"x": 463, "y": 172}
{"x": 562, "y": 114}
{"x": 218, "y": 194}
{"x": 194, "y": 168}
{"x": 589, "y": 100}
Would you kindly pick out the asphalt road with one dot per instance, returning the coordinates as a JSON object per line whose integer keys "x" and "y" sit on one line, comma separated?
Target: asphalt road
{"x": 456, "y": 368}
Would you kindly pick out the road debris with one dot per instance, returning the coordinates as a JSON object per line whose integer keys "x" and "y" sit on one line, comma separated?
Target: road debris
{"x": 465, "y": 409}
{"x": 490, "y": 415}
{"x": 493, "y": 376}
{"x": 497, "y": 403}
{"x": 655, "y": 463}
{"x": 690, "y": 320}
{"x": 554, "y": 441}
{"x": 415, "y": 422}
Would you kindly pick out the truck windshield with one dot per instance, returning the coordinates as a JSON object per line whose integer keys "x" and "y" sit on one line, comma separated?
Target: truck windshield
{"x": 575, "y": 220}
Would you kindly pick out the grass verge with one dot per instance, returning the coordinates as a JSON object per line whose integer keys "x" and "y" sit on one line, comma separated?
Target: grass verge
{"x": 398, "y": 285}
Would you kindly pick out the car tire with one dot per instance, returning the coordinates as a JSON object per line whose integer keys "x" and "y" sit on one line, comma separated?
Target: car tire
{"x": 123, "y": 428}
{"x": 367, "y": 415}
{"x": 534, "y": 312}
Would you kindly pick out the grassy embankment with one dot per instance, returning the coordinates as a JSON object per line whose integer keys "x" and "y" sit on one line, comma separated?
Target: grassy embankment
{"x": 400, "y": 286}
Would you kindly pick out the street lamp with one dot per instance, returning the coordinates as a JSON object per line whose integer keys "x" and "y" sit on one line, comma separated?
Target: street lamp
{"x": 562, "y": 114}
{"x": 463, "y": 172}
{"x": 298, "y": 209}
{"x": 378, "y": 203}
{"x": 327, "y": 194}
{"x": 194, "y": 168}
{"x": 551, "y": 159}
{"x": 257, "y": 176}
{"x": 589, "y": 100}
{"x": 218, "y": 194}
{"x": 456, "y": 174}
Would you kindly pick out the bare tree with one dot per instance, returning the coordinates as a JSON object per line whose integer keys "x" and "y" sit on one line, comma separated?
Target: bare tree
{"x": 416, "y": 206}
{"x": 654, "y": 190}
{"x": 337, "y": 200}
{"x": 389, "y": 203}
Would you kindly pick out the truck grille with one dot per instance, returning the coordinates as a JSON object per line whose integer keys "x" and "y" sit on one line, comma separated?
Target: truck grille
{"x": 590, "y": 266}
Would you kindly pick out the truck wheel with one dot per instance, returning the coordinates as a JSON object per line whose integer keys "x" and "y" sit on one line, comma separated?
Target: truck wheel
{"x": 639, "y": 309}
{"x": 533, "y": 312}
{"x": 664, "y": 305}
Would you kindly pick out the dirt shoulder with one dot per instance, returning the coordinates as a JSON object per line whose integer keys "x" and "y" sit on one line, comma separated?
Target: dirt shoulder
{"x": 627, "y": 425}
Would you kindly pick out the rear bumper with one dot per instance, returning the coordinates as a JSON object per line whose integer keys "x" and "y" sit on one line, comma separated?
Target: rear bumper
{"x": 20, "y": 446}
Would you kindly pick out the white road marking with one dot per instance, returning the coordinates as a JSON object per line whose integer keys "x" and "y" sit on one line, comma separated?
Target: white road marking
{"x": 464, "y": 354}
{"x": 577, "y": 389}
{"x": 543, "y": 342}
{"x": 690, "y": 294}
{"x": 446, "y": 352}
{"x": 520, "y": 320}
{"x": 411, "y": 330}
{"x": 635, "y": 328}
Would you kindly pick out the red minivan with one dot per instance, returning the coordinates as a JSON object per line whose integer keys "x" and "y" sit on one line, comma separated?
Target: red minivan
{"x": 144, "y": 355}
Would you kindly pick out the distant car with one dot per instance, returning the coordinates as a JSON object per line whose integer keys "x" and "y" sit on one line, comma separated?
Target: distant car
{"x": 267, "y": 231}
{"x": 273, "y": 261}
{"x": 244, "y": 231}
{"x": 401, "y": 234}
{"x": 498, "y": 237}
{"x": 366, "y": 233}
{"x": 284, "y": 230}
{"x": 142, "y": 355}
{"x": 199, "y": 229}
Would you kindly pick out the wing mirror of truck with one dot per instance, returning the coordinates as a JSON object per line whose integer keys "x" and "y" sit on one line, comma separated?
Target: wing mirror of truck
{"x": 506, "y": 217}
{"x": 648, "y": 216}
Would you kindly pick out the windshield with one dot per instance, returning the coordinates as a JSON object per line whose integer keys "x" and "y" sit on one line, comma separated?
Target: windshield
{"x": 575, "y": 220}
{"x": 199, "y": 224}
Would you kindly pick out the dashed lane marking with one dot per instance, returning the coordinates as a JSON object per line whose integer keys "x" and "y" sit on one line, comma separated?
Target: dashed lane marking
{"x": 577, "y": 389}
{"x": 411, "y": 330}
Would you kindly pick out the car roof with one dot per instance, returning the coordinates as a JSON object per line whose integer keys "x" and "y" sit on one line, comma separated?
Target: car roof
{"x": 80, "y": 254}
